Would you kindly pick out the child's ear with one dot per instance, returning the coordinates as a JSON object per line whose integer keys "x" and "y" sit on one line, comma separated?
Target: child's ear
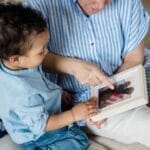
{"x": 15, "y": 60}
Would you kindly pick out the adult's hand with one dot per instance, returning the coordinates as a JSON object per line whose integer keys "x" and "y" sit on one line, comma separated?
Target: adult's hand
{"x": 89, "y": 74}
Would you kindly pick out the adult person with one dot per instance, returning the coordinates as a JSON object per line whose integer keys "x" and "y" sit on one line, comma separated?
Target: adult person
{"x": 86, "y": 74}
{"x": 111, "y": 38}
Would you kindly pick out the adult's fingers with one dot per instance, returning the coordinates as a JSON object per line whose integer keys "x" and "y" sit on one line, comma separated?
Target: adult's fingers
{"x": 105, "y": 81}
{"x": 92, "y": 81}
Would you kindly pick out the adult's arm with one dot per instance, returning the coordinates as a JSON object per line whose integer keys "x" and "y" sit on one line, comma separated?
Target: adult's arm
{"x": 133, "y": 58}
{"x": 135, "y": 24}
{"x": 86, "y": 73}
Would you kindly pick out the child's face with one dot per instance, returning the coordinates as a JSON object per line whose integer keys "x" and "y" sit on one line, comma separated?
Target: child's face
{"x": 35, "y": 56}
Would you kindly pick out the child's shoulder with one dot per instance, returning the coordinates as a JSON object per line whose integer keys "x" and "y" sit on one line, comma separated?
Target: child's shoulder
{"x": 14, "y": 84}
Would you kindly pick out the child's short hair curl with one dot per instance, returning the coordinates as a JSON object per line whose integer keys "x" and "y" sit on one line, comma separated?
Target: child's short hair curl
{"x": 17, "y": 24}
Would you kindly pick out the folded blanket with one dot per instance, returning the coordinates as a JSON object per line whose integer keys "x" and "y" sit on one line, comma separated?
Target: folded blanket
{"x": 108, "y": 144}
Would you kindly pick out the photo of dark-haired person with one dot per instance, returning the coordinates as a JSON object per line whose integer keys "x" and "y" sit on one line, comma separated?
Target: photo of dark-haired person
{"x": 122, "y": 91}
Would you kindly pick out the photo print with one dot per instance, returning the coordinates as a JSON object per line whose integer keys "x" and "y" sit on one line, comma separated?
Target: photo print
{"x": 122, "y": 90}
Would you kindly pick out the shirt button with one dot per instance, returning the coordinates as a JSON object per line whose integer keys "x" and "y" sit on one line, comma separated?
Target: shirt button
{"x": 92, "y": 44}
{"x": 42, "y": 115}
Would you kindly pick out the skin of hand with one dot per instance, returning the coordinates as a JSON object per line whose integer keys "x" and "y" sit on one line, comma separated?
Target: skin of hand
{"x": 90, "y": 7}
{"x": 84, "y": 111}
{"x": 97, "y": 123}
{"x": 90, "y": 74}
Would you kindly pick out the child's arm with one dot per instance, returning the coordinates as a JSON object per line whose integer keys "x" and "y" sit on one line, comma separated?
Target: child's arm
{"x": 81, "y": 111}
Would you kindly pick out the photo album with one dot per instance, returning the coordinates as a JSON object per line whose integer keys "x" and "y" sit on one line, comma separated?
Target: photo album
{"x": 129, "y": 92}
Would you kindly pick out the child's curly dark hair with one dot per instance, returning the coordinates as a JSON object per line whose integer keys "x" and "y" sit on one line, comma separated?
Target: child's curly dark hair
{"x": 17, "y": 24}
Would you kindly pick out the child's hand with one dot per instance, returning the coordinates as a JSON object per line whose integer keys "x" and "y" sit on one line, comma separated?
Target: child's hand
{"x": 84, "y": 111}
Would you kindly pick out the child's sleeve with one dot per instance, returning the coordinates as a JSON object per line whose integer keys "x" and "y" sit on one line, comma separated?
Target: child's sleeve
{"x": 33, "y": 115}
{"x": 135, "y": 23}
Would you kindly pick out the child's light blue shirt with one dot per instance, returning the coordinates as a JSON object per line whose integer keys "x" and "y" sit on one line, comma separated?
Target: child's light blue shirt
{"x": 27, "y": 100}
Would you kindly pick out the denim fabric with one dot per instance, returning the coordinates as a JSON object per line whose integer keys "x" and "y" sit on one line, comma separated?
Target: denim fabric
{"x": 68, "y": 138}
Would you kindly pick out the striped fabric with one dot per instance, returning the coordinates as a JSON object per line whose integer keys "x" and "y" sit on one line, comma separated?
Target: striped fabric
{"x": 147, "y": 68}
{"x": 103, "y": 38}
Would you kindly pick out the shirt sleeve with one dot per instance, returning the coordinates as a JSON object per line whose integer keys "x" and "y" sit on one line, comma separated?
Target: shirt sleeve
{"x": 33, "y": 115}
{"x": 135, "y": 23}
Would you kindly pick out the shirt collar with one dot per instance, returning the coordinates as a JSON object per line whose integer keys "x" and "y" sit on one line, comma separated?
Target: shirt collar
{"x": 79, "y": 10}
{"x": 18, "y": 72}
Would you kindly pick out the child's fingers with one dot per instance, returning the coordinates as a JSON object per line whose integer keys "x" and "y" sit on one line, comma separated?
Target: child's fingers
{"x": 90, "y": 105}
{"x": 92, "y": 110}
{"x": 92, "y": 114}
{"x": 89, "y": 121}
{"x": 93, "y": 101}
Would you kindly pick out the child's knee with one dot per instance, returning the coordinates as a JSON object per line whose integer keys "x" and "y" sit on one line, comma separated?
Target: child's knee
{"x": 80, "y": 137}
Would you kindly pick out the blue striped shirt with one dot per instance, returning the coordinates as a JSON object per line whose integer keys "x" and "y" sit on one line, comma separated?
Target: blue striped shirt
{"x": 103, "y": 38}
